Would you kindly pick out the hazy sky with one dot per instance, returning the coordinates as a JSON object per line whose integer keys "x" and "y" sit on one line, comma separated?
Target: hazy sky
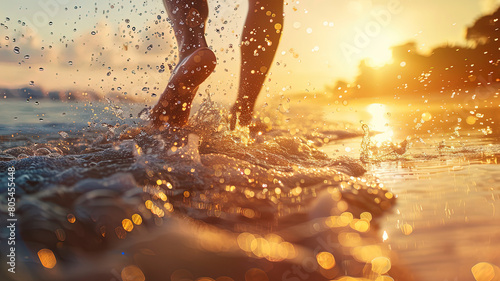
{"x": 104, "y": 46}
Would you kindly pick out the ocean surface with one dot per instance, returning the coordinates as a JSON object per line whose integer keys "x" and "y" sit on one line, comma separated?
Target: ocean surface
{"x": 321, "y": 189}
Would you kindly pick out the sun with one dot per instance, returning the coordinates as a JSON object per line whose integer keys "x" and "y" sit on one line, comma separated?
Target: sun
{"x": 378, "y": 56}
{"x": 379, "y": 52}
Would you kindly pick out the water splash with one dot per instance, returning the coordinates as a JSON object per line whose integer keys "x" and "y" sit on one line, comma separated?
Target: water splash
{"x": 372, "y": 151}
{"x": 203, "y": 175}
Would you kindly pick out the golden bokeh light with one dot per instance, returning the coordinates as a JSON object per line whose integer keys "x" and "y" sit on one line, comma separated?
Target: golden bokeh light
{"x": 71, "y": 218}
{"x": 406, "y": 229}
{"x": 249, "y": 213}
{"x": 47, "y": 258}
{"x": 325, "y": 260}
{"x": 120, "y": 232}
{"x": 260, "y": 247}
{"x": 366, "y": 253}
{"x": 255, "y": 274}
{"x": 426, "y": 116}
{"x": 127, "y": 225}
{"x": 349, "y": 239}
{"x": 361, "y": 225}
{"x": 381, "y": 265}
{"x": 132, "y": 273}
{"x": 137, "y": 219}
{"x": 485, "y": 271}
{"x": 61, "y": 235}
{"x": 366, "y": 215}
{"x": 245, "y": 241}
{"x": 471, "y": 120}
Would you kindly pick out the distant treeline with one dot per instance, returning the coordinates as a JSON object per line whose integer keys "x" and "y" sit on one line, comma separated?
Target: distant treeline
{"x": 446, "y": 68}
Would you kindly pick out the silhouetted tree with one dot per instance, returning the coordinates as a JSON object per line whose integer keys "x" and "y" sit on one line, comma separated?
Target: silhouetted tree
{"x": 485, "y": 29}
{"x": 446, "y": 68}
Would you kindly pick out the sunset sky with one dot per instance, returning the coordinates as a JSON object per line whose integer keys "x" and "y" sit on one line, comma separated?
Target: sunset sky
{"x": 104, "y": 46}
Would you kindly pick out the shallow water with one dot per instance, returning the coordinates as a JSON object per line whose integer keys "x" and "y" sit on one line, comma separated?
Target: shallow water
{"x": 446, "y": 220}
{"x": 249, "y": 205}
{"x": 445, "y": 224}
{"x": 259, "y": 201}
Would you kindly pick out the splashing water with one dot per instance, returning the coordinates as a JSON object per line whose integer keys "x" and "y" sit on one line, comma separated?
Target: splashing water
{"x": 374, "y": 151}
{"x": 201, "y": 191}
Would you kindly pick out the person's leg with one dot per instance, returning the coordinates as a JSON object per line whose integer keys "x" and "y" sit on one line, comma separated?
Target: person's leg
{"x": 196, "y": 62}
{"x": 259, "y": 42}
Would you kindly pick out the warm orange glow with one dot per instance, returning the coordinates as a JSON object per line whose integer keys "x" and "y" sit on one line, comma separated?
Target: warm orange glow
{"x": 71, "y": 218}
{"x": 381, "y": 265}
{"x": 385, "y": 236}
{"x": 255, "y": 274}
{"x": 47, "y": 258}
{"x": 378, "y": 56}
{"x": 137, "y": 219}
{"x": 484, "y": 271}
{"x": 406, "y": 229}
{"x": 325, "y": 260}
{"x": 132, "y": 273}
{"x": 127, "y": 225}
{"x": 379, "y": 122}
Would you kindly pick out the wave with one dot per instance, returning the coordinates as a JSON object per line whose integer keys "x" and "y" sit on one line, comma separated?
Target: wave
{"x": 202, "y": 201}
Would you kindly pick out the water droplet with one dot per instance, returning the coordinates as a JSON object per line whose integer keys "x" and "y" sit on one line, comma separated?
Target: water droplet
{"x": 145, "y": 88}
{"x": 70, "y": 62}
{"x": 150, "y": 47}
{"x": 41, "y": 119}
{"x": 93, "y": 32}
{"x": 17, "y": 50}
{"x": 41, "y": 69}
{"x": 6, "y": 37}
{"x": 37, "y": 103}
{"x": 144, "y": 114}
{"x": 26, "y": 57}
{"x": 119, "y": 88}
{"x": 32, "y": 83}
{"x": 153, "y": 95}
{"x": 63, "y": 134}
{"x": 109, "y": 73}
{"x": 27, "y": 100}
{"x": 50, "y": 23}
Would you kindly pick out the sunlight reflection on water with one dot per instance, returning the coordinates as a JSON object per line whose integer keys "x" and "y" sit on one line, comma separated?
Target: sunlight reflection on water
{"x": 379, "y": 122}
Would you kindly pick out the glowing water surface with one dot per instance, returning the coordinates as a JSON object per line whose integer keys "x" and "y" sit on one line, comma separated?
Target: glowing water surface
{"x": 269, "y": 208}
{"x": 446, "y": 223}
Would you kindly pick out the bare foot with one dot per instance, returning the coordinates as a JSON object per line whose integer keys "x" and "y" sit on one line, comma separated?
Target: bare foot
{"x": 175, "y": 102}
{"x": 241, "y": 114}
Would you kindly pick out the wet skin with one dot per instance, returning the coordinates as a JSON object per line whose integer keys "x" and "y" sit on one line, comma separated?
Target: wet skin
{"x": 259, "y": 42}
